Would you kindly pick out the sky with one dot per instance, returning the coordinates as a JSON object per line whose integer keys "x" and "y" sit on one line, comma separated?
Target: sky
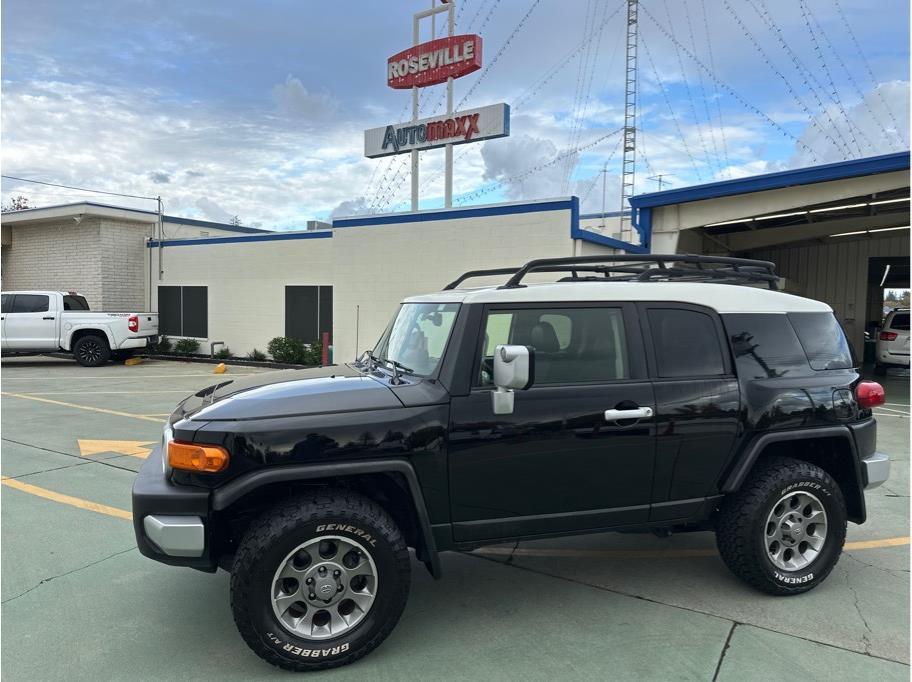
{"x": 257, "y": 110}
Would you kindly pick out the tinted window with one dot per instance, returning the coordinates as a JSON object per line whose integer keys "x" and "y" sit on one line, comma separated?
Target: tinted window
{"x": 900, "y": 321}
{"x": 75, "y": 303}
{"x": 686, "y": 343}
{"x": 822, "y": 339}
{"x": 572, "y": 345}
{"x": 6, "y": 303}
{"x": 183, "y": 311}
{"x": 764, "y": 346}
{"x": 30, "y": 303}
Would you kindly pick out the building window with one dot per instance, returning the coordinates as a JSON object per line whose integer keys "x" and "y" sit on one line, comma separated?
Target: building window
{"x": 308, "y": 312}
{"x": 183, "y": 311}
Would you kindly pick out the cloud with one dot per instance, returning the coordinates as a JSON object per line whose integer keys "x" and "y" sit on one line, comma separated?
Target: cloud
{"x": 213, "y": 211}
{"x": 351, "y": 207}
{"x": 294, "y": 100}
{"x": 876, "y": 125}
{"x": 160, "y": 178}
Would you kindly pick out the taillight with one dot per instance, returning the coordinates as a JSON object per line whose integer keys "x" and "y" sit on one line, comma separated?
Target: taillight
{"x": 133, "y": 323}
{"x": 888, "y": 336}
{"x": 870, "y": 394}
{"x": 190, "y": 457}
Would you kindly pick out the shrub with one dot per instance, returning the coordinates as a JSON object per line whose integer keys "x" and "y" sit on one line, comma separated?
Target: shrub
{"x": 163, "y": 345}
{"x": 187, "y": 346}
{"x": 287, "y": 350}
{"x": 222, "y": 353}
{"x": 313, "y": 355}
{"x": 257, "y": 355}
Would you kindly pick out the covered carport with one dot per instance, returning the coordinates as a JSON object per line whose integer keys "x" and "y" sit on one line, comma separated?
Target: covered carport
{"x": 832, "y": 230}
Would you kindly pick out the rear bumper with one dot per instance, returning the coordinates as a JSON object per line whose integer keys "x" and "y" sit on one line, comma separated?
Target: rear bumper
{"x": 139, "y": 342}
{"x": 895, "y": 358}
{"x": 170, "y": 522}
{"x": 876, "y": 469}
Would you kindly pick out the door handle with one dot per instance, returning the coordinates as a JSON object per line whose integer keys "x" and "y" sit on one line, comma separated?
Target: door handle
{"x": 636, "y": 413}
{"x": 51, "y": 317}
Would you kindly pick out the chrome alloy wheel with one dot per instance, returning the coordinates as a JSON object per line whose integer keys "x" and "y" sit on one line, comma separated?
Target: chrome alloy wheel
{"x": 796, "y": 531}
{"x": 324, "y": 587}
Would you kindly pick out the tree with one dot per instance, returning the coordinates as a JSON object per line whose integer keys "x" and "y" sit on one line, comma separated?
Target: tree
{"x": 236, "y": 221}
{"x": 18, "y": 203}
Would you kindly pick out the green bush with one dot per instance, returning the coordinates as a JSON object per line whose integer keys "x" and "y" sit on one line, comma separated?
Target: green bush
{"x": 186, "y": 346}
{"x": 163, "y": 345}
{"x": 294, "y": 352}
{"x": 223, "y": 353}
{"x": 257, "y": 355}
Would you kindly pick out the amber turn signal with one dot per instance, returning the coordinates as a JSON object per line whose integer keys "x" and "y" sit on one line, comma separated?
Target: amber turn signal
{"x": 197, "y": 457}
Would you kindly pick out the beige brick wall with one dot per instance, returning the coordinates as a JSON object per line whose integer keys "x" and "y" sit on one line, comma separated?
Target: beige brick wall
{"x": 99, "y": 258}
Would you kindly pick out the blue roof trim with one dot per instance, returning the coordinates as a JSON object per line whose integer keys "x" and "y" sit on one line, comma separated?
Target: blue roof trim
{"x": 800, "y": 176}
{"x": 171, "y": 219}
{"x": 509, "y": 209}
{"x": 271, "y": 237}
{"x": 577, "y": 232}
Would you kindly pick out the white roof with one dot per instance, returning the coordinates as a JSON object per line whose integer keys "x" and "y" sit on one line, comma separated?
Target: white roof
{"x": 724, "y": 298}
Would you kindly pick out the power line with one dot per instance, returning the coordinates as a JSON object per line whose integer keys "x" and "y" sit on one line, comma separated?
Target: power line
{"x": 788, "y": 85}
{"x": 79, "y": 189}
{"x": 867, "y": 66}
{"x": 730, "y": 90}
{"x": 712, "y": 65}
{"x": 705, "y": 97}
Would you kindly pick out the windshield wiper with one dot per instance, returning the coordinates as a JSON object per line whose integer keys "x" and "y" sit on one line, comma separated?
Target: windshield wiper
{"x": 397, "y": 379}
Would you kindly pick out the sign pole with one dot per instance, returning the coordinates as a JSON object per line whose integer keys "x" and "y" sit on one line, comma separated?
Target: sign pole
{"x": 448, "y": 150}
{"x": 415, "y": 119}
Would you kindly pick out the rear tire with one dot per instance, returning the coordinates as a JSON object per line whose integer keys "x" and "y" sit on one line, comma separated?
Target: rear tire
{"x": 91, "y": 350}
{"x": 783, "y": 531}
{"x": 319, "y": 581}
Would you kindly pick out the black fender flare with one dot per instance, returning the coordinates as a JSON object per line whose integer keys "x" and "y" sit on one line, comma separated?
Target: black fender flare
{"x": 227, "y": 494}
{"x": 748, "y": 456}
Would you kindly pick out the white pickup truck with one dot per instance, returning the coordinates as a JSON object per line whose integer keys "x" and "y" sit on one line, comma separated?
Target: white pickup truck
{"x": 48, "y": 321}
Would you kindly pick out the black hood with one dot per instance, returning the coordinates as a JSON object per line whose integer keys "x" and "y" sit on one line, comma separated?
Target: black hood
{"x": 286, "y": 393}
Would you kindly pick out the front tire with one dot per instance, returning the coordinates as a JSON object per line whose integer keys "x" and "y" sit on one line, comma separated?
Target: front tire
{"x": 783, "y": 531}
{"x": 319, "y": 581}
{"x": 91, "y": 350}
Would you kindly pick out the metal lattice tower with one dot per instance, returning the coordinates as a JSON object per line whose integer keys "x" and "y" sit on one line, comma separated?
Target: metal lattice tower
{"x": 628, "y": 168}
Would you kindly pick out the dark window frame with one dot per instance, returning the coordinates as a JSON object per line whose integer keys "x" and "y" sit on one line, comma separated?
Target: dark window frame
{"x": 636, "y": 361}
{"x": 728, "y": 370}
{"x": 16, "y": 298}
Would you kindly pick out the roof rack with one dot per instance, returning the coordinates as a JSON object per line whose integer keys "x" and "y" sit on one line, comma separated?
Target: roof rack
{"x": 639, "y": 268}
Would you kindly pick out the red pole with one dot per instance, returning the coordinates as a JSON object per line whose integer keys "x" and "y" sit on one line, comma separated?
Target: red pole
{"x": 325, "y": 360}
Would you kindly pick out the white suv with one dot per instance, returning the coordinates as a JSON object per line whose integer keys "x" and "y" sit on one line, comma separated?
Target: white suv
{"x": 893, "y": 342}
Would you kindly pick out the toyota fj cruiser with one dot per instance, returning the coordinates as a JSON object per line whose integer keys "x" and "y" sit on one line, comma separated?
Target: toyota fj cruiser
{"x": 634, "y": 393}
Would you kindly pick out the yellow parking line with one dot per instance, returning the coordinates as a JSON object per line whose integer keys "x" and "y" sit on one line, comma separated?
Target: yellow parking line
{"x": 66, "y": 499}
{"x": 82, "y": 407}
{"x": 493, "y": 551}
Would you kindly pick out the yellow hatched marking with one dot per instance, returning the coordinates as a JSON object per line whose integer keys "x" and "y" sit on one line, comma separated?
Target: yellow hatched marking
{"x": 66, "y": 499}
{"x": 81, "y": 407}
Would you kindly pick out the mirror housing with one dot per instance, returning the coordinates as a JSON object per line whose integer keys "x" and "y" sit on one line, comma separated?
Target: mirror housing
{"x": 514, "y": 369}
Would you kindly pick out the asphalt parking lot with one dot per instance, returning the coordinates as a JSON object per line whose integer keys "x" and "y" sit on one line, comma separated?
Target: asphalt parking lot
{"x": 79, "y": 602}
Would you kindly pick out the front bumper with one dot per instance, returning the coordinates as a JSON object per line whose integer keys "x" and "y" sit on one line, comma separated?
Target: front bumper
{"x": 170, "y": 522}
{"x": 876, "y": 469}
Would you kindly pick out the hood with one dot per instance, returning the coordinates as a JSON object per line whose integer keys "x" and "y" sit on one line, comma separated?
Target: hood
{"x": 286, "y": 393}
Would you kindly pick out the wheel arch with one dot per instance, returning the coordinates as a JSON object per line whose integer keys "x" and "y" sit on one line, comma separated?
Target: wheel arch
{"x": 831, "y": 448}
{"x": 391, "y": 483}
{"x": 75, "y": 334}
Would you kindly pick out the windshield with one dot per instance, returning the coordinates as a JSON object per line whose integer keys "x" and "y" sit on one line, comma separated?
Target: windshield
{"x": 418, "y": 336}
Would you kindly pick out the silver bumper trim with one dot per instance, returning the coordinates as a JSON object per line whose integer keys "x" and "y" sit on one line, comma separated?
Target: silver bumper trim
{"x": 176, "y": 535}
{"x": 877, "y": 469}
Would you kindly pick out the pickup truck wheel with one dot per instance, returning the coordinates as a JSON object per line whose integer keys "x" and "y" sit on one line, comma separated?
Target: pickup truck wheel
{"x": 319, "y": 581}
{"x": 91, "y": 350}
{"x": 783, "y": 531}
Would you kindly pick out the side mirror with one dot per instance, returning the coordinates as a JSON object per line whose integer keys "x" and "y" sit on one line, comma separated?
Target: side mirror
{"x": 514, "y": 369}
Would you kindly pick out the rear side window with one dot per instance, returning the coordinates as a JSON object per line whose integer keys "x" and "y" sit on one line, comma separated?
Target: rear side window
{"x": 823, "y": 340}
{"x": 75, "y": 303}
{"x": 686, "y": 343}
{"x": 900, "y": 321}
{"x": 764, "y": 345}
{"x": 30, "y": 303}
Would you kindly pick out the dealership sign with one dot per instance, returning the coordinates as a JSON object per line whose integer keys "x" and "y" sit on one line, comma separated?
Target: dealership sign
{"x": 433, "y": 62}
{"x": 471, "y": 125}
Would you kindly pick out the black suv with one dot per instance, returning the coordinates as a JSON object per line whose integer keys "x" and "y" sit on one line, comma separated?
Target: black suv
{"x": 634, "y": 393}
